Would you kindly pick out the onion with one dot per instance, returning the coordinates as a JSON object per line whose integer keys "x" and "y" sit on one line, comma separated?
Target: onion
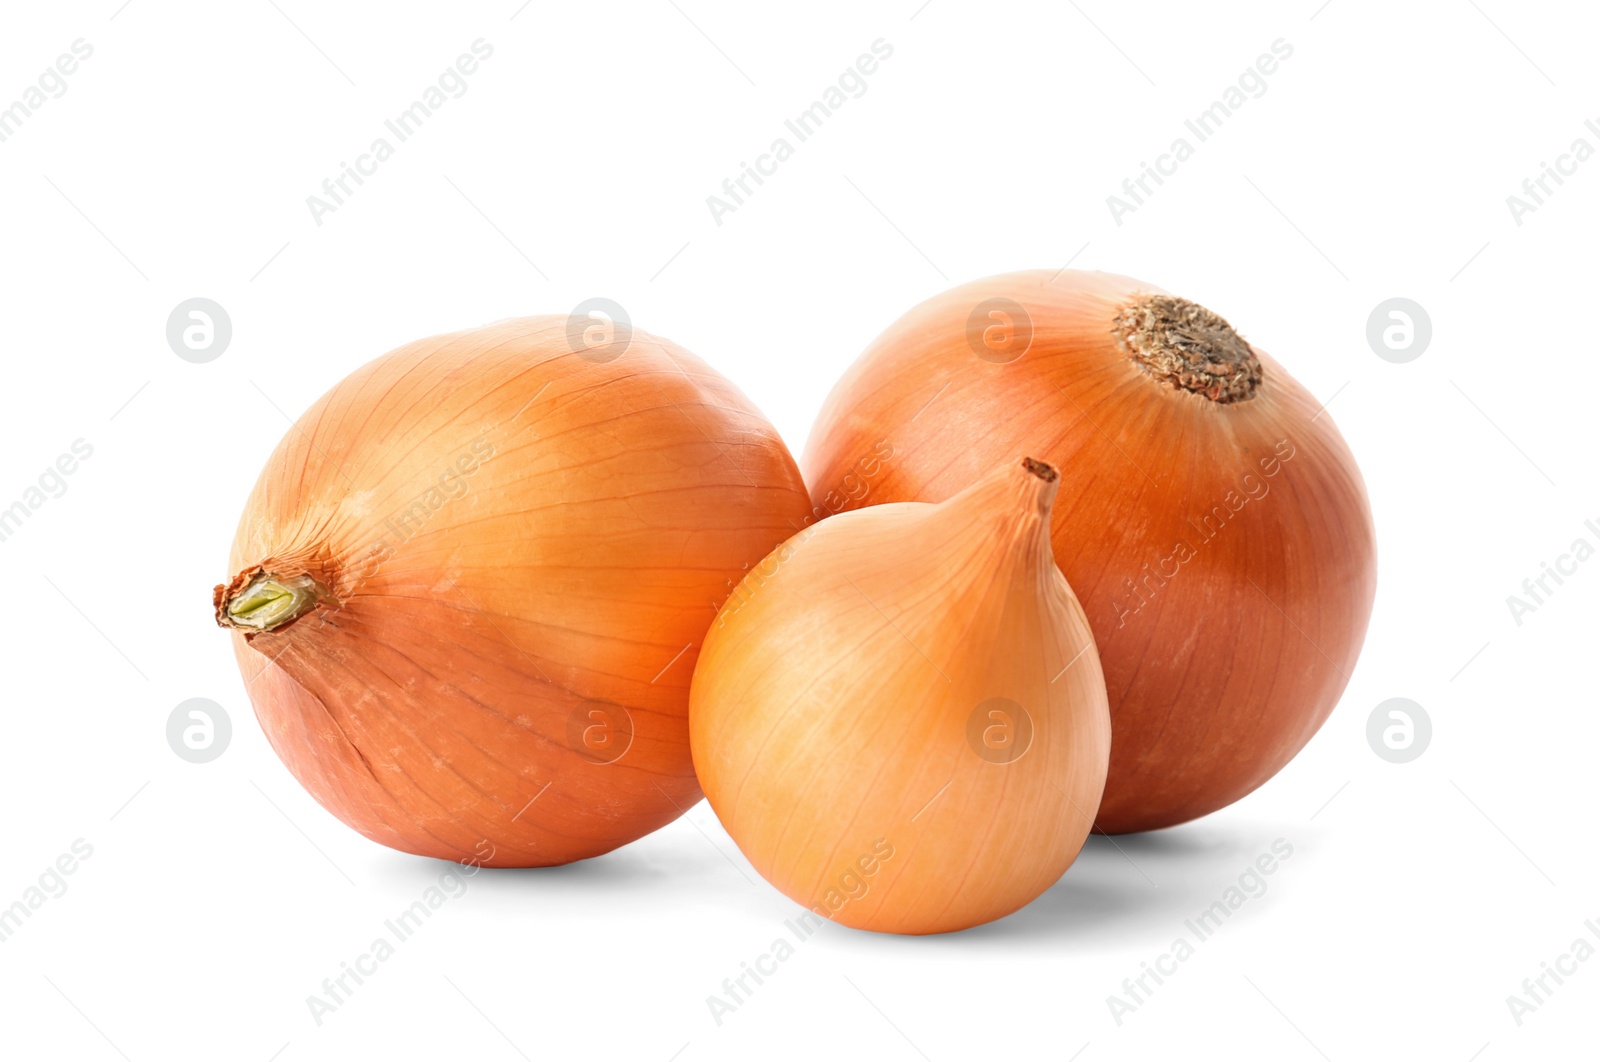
{"x": 1219, "y": 534}
{"x": 472, "y": 580}
{"x": 900, "y": 719}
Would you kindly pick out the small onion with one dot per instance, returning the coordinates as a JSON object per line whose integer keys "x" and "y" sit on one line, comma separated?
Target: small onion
{"x": 471, "y": 584}
{"x": 1219, "y": 535}
{"x": 900, "y": 717}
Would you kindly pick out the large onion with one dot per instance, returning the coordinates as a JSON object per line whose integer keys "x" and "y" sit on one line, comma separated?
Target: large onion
{"x": 471, "y": 584}
{"x": 1215, "y": 526}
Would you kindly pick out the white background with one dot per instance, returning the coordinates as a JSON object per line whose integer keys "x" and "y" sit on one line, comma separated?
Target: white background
{"x": 1377, "y": 164}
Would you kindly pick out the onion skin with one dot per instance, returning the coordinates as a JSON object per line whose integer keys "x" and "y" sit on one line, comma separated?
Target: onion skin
{"x": 1238, "y": 653}
{"x": 556, "y": 534}
{"x": 840, "y": 711}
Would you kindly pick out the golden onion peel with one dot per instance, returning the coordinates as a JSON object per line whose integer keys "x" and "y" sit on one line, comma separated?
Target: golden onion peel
{"x": 900, "y": 718}
{"x": 1218, "y": 534}
{"x": 471, "y": 584}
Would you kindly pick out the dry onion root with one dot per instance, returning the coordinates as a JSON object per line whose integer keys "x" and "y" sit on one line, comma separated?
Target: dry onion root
{"x": 472, "y": 581}
{"x": 904, "y": 727}
{"x": 1219, "y": 536}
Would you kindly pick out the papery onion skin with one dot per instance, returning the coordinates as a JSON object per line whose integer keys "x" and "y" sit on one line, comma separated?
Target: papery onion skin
{"x": 516, "y": 550}
{"x": 1221, "y": 660}
{"x": 900, "y": 718}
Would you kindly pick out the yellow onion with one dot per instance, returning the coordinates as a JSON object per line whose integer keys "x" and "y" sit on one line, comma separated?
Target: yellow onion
{"x": 900, "y": 717}
{"x": 471, "y": 584}
{"x": 1219, "y": 534}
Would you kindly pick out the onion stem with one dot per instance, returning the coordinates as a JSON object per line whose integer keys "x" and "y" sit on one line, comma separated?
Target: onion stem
{"x": 268, "y": 603}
